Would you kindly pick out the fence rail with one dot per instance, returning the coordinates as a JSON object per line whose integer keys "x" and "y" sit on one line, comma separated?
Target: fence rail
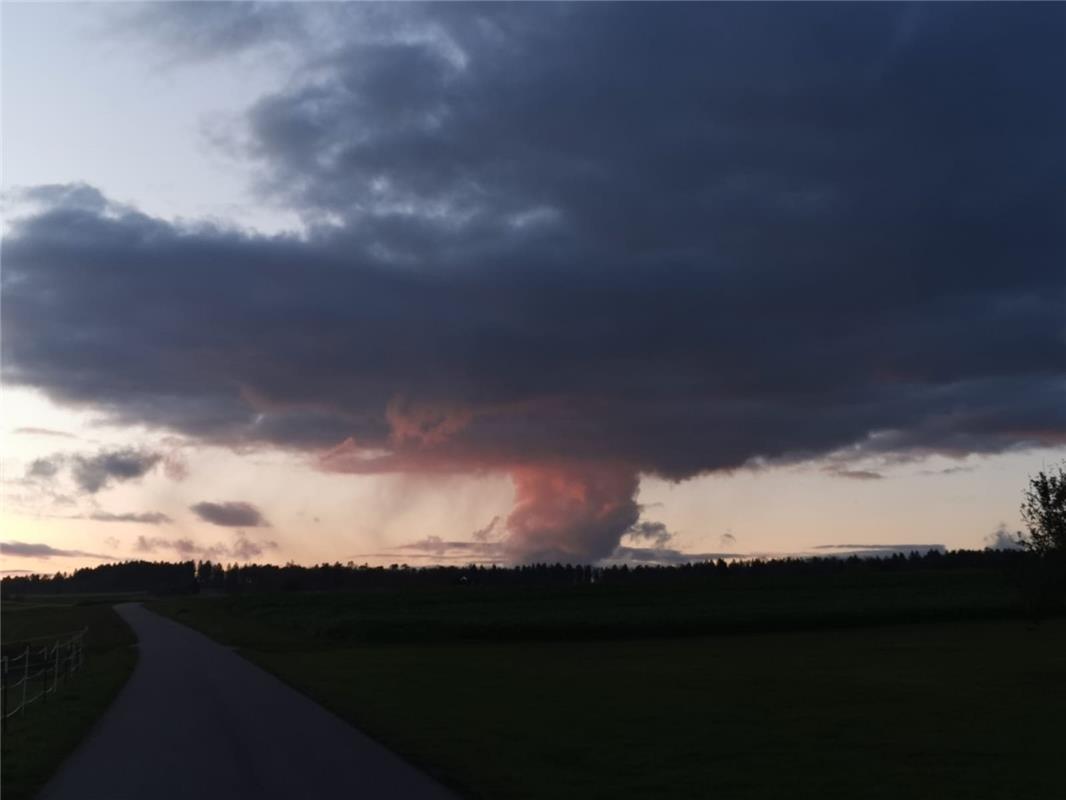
{"x": 38, "y": 671}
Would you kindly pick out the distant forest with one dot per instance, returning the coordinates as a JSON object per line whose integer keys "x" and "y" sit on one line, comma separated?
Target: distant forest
{"x": 190, "y": 577}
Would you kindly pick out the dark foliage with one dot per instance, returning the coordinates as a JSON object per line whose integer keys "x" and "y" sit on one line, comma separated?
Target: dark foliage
{"x": 128, "y": 576}
{"x": 191, "y": 577}
{"x": 1044, "y": 512}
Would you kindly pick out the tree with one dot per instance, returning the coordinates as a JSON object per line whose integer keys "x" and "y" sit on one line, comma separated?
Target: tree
{"x": 1044, "y": 513}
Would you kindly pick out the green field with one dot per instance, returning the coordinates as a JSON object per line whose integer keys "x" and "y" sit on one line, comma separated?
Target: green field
{"x": 746, "y": 691}
{"x": 471, "y": 613}
{"x": 36, "y": 743}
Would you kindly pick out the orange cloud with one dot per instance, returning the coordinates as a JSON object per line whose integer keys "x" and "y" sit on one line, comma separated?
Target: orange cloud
{"x": 570, "y": 512}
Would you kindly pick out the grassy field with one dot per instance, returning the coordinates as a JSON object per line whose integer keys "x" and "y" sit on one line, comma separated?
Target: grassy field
{"x": 553, "y": 694}
{"x": 35, "y": 744}
{"x": 471, "y": 613}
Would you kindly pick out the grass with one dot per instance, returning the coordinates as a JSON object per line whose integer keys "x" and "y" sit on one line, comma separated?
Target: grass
{"x": 36, "y": 743}
{"x": 472, "y": 613}
{"x": 28, "y": 602}
{"x": 555, "y": 694}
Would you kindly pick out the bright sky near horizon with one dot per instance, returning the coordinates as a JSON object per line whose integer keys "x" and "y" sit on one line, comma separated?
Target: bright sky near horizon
{"x": 415, "y": 283}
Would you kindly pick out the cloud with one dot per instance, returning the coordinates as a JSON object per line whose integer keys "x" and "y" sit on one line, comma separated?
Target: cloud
{"x": 727, "y": 540}
{"x": 438, "y": 549}
{"x": 144, "y": 518}
{"x": 245, "y": 549}
{"x": 567, "y": 513}
{"x": 873, "y": 550}
{"x": 44, "y": 468}
{"x": 758, "y": 236}
{"x": 242, "y": 548}
{"x": 217, "y": 30}
{"x": 93, "y": 473}
{"x": 854, "y": 474}
{"x": 876, "y": 546}
{"x": 44, "y": 432}
{"x": 486, "y": 534}
{"x": 75, "y": 195}
{"x": 1003, "y": 539}
{"x": 947, "y": 470}
{"x": 175, "y": 466}
{"x": 653, "y": 532}
{"x": 150, "y": 544}
{"x": 44, "y": 551}
{"x": 663, "y": 556}
{"x": 233, "y": 514}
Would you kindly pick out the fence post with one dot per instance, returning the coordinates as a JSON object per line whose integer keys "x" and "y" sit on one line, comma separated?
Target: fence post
{"x": 25, "y": 680}
{"x": 3, "y": 699}
{"x": 62, "y": 659}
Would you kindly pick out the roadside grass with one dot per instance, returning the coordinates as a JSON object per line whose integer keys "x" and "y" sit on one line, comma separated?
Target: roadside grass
{"x": 27, "y": 602}
{"x": 959, "y": 709}
{"x": 36, "y": 742}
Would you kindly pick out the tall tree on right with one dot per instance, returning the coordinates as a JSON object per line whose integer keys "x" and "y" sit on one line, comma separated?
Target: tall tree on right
{"x": 1044, "y": 513}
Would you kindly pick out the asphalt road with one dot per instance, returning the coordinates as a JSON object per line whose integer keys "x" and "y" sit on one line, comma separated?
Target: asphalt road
{"x": 196, "y": 721}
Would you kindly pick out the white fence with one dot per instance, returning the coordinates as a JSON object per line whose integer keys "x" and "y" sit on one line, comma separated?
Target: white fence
{"x": 38, "y": 671}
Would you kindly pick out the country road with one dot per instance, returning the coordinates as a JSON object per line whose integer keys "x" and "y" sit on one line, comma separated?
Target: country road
{"x": 197, "y": 721}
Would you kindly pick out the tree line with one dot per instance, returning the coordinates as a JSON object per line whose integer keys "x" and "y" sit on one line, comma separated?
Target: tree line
{"x": 206, "y": 576}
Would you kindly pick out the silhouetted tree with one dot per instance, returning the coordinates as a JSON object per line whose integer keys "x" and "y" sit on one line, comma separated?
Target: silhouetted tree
{"x": 1044, "y": 513}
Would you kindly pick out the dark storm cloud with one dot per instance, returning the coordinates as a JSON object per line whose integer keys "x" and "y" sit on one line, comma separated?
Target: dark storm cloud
{"x": 231, "y": 515}
{"x": 586, "y": 242}
{"x": 77, "y": 195}
{"x": 36, "y": 550}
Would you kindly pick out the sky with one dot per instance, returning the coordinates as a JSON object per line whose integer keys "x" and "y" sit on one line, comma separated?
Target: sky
{"x": 520, "y": 282}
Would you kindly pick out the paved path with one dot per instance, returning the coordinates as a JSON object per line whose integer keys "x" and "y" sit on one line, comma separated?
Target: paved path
{"x": 196, "y": 721}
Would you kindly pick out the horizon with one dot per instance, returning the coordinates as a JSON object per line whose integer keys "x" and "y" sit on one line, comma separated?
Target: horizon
{"x": 820, "y": 553}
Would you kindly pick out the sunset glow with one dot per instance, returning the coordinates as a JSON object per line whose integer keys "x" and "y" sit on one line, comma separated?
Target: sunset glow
{"x": 375, "y": 284}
